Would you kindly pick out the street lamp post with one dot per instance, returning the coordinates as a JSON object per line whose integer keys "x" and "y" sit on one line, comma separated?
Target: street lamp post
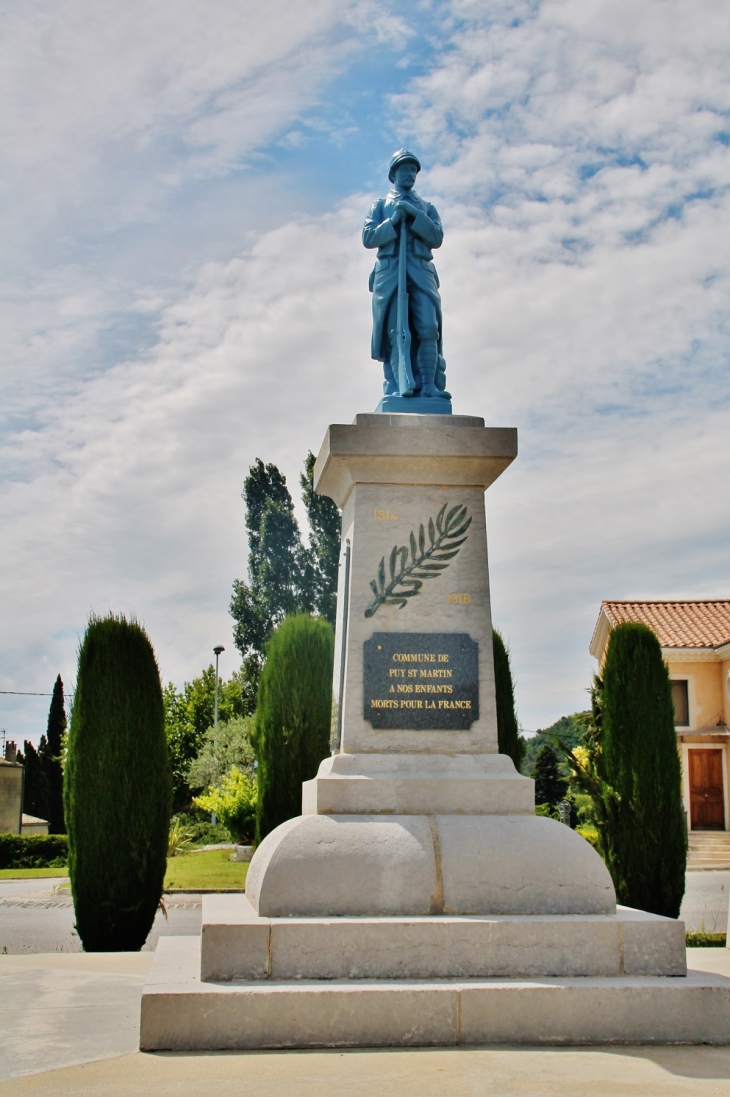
{"x": 216, "y": 650}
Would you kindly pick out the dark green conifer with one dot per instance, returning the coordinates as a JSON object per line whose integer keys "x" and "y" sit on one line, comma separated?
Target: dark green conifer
{"x": 292, "y": 729}
{"x": 35, "y": 781}
{"x": 646, "y": 845}
{"x": 549, "y": 785}
{"x": 117, "y": 789}
{"x": 510, "y": 740}
{"x": 53, "y": 759}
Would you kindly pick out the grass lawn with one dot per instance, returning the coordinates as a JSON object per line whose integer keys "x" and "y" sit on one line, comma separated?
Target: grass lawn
{"x": 209, "y": 869}
{"x": 31, "y": 873}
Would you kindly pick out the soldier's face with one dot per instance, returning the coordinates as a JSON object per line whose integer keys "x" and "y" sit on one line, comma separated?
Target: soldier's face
{"x": 405, "y": 175}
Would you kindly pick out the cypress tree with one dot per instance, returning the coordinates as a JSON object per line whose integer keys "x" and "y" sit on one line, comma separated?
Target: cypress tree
{"x": 35, "y": 786}
{"x": 646, "y": 851}
{"x": 549, "y": 785}
{"x": 117, "y": 793}
{"x": 292, "y": 726}
{"x": 53, "y": 766}
{"x": 509, "y": 738}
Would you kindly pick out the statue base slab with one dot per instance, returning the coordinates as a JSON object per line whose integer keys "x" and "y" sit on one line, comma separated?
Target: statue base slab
{"x": 238, "y": 944}
{"x": 181, "y": 1012}
{"x": 415, "y": 405}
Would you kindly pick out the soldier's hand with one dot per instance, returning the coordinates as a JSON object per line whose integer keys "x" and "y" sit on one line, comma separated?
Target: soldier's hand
{"x": 407, "y": 209}
{"x": 397, "y": 216}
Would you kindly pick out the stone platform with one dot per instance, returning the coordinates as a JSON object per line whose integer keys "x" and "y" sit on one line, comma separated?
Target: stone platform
{"x": 237, "y": 944}
{"x": 181, "y": 1012}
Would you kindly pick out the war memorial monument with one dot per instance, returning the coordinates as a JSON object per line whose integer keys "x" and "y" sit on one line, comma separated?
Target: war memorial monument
{"x": 418, "y": 899}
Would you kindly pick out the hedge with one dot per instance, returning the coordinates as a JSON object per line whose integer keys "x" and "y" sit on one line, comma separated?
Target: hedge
{"x": 33, "y": 850}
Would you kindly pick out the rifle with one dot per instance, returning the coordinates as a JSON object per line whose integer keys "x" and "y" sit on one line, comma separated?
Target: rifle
{"x": 406, "y": 384}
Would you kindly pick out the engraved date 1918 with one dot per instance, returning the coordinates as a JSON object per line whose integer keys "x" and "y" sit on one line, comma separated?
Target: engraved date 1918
{"x": 459, "y": 599}
{"x": 385, "y": 515}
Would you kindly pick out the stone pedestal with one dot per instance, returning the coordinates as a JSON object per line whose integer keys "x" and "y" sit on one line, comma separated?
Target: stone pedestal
{"x": 418, "y": 899}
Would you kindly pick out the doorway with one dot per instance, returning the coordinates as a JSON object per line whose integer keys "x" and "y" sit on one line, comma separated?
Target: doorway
{"x": 706, "y": 798}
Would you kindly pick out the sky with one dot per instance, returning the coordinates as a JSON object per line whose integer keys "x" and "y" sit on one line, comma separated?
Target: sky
{"x": 184, "y": 289}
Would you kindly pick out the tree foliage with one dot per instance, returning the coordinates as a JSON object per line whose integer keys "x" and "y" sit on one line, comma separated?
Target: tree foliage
{"x": 323, "y": 556}
{"x": 233, "y": 799}
{"x": 284, "y": 576}
{"x": 510, "y": 740}
{"x": 550, "y": 787}
{"x": 223, "y": 747}
{"x": 188, "y": 716}
{"x": 36, "y": 799}
{"x": 631, "y": 770}
{"x": 292, "y": 725}
{"x": 56, "y": 743}
{"x": 117, "y": 793}
{"x": 43, "y": 779}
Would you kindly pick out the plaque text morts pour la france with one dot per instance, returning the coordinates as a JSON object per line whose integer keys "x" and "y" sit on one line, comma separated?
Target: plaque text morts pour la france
{"x": 423, "y": 680}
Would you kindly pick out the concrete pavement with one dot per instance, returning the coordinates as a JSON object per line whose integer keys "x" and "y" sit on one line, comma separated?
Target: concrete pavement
{"x": 38, "y": 916}
{"x": 705, "y": 903}
{"x": 70, "y": 1026}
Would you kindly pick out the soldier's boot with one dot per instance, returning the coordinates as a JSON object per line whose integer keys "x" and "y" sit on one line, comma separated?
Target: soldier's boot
{"x": 427, "y": 363}
{"x": 390, "y": 371}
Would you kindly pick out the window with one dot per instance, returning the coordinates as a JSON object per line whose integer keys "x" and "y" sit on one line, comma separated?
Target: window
{"x": 680, "y": 700}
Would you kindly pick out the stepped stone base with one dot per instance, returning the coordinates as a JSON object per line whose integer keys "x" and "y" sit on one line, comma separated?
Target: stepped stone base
{"x": 180, "y": 1012}
{"x": 237, "y": 944}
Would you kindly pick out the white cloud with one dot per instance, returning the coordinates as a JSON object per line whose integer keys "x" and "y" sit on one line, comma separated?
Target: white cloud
{"x": 573, "y": 157}
{"x": 586, "y": 284}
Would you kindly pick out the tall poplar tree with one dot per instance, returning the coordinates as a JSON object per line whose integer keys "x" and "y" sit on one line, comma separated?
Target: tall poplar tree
{"x": 323, "y": 555}
{"x": 284, "y": 576}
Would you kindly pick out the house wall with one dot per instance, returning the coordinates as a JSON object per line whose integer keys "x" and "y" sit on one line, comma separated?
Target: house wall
{"x": 725, "y": 683}
{"x": 707, "y": 706}
{"x": 11, "y": 797}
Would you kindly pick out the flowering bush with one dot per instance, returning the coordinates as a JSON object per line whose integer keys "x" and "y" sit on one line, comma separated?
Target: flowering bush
{"x": 234, "y": 802}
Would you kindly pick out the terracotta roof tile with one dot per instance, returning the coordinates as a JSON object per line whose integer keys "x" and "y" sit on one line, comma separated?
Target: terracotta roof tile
{"x": 678, "y": 624}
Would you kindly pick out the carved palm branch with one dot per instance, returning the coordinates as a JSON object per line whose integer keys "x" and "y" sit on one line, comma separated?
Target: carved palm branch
{"x": 446, "y": 535}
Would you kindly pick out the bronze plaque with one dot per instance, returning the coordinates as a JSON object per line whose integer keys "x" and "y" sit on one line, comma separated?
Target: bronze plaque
{"x": 423, "y": 680}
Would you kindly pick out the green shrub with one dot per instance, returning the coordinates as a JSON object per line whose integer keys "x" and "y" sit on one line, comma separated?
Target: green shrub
{"x": 643, "y": 839}
{"x": 509, "y": 738}
{"x": 33, "y": 850}
{"x": 117, "y": 787}
{"x": 202, "y": 832}
{"x": 706, "y": 940}
{"x": 234, "y": 802}
{"x": 292, "y": 728}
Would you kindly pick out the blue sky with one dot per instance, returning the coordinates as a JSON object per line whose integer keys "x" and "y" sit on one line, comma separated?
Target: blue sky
{"x": 184, "y": 290}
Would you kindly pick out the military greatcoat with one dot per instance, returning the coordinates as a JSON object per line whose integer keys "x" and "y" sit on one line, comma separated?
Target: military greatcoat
{"x": 424, "y": 234}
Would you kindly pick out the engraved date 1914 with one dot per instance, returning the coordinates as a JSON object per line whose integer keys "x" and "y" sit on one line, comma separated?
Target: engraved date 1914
{"x": 385, "y": 515}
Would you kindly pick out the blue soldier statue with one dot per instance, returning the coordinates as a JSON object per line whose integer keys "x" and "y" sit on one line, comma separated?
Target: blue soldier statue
{"x": 407, "y": 320}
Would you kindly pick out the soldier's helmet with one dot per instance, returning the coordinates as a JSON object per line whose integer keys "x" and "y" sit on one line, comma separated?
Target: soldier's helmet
{"x": 398, "y": 158}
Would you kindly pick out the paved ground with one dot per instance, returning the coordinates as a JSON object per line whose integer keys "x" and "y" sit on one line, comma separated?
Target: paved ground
{"x": 69, "y": 1027}
{"x": 705, "y": 905}
{"x": 34, "y": 919}
{"x": 35, "y": 916}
